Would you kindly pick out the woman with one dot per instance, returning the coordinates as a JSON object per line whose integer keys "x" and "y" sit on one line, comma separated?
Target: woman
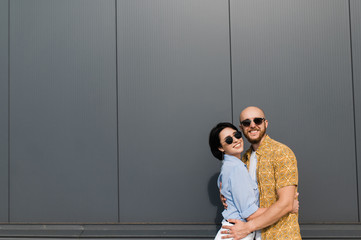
{"x": 238, "y": 188}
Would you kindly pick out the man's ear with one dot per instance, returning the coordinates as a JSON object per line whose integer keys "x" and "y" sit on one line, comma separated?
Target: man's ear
{"x": 266, "y": 123}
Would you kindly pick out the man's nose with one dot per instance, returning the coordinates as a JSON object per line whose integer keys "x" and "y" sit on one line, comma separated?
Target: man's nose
{"x": 252, "y": 124}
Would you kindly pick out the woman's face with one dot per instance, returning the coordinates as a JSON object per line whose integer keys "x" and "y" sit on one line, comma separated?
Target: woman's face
{"x": 235, "y": 148}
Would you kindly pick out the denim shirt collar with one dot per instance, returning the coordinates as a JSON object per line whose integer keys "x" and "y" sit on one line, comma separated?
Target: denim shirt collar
{"x": 230, "y": 159}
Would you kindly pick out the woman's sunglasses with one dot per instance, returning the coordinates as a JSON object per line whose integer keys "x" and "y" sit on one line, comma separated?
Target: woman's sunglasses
{"x": 257, "y": 121}
{"x": 229, "y": 139}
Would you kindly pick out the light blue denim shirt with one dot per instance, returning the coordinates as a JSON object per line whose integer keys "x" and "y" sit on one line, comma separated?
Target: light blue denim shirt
{"x": 238, "y": 188}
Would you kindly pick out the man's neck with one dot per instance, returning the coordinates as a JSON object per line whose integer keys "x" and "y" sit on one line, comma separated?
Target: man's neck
{"x": 256, "y": 145}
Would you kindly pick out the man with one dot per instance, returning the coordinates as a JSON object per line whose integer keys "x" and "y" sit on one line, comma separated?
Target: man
{"x": 274, "y": 166}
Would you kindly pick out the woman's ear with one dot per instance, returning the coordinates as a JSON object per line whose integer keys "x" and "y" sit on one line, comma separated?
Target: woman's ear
{"x": 221, "y": 149}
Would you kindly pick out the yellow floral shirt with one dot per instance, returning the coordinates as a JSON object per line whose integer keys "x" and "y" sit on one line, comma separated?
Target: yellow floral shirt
{"x": 276, "y": 168}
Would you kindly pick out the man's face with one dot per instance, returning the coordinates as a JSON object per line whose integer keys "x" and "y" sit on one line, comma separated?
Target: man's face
{"x": 253, "y": 124}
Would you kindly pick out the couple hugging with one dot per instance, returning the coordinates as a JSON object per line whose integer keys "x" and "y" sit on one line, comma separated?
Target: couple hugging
{"x": 259, "y": 190}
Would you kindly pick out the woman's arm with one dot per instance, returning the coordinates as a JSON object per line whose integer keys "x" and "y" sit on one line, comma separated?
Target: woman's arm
{"x": 243, "y": 191}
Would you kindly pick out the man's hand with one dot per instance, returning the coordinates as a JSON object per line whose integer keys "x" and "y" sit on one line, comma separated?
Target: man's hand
{"x": 223, "y": 199}
{"x": 238, "y": 231}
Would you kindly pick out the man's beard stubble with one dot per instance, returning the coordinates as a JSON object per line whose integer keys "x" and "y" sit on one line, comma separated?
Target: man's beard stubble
{"x": 257, "y": 140}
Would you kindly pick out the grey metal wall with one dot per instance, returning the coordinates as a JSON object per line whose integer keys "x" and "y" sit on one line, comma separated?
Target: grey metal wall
{"x": 173, "y": 62}
{"x": 3, "y": 111}
{"x": 355, "y": 17}
{"x": 293, "y": 59}
{"x": 63, "y": 141}
{"x": 111, "y": 103}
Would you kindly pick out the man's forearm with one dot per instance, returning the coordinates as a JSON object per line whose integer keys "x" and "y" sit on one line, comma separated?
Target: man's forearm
{"x": 277, "y": 210}
{"x": 269, "y": 217}
{"x": 258, "y": 213}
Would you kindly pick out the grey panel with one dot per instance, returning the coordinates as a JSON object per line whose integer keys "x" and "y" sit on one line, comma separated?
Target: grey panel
{"x": 63, "y": 111}
{"x": 174, "y": 85}
{"x": 355, "y": 7}
{"x": 292, "y": 58}
{"x": 157, "y": 231}
{"x": 4, "y": 33}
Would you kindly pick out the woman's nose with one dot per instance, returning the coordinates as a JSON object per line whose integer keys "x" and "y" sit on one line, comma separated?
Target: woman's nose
{"x": 237, "y": 139}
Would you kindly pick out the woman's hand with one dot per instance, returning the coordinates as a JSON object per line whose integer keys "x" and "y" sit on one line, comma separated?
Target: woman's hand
{"x": 223, "y": 199}
{"x": 296, "y": 204}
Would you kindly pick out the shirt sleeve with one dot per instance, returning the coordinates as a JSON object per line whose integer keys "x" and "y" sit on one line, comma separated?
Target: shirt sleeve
{"x": 286, "y": 173}
{"x": 243, "y": 192}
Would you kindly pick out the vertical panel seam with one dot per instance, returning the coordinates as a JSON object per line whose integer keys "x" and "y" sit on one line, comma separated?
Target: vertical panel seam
{"x": 354, "y": 109}
{"x": 230, "y": 56}
{"x": 9, "y": 111}
{"x": 117, "y": 103}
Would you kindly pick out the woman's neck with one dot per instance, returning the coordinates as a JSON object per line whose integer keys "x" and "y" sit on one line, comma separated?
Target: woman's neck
{"x": 237, "y": 156}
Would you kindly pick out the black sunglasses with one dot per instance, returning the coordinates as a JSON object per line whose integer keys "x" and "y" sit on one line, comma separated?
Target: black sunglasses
{"x": 257, "y": 121}
{"x": 229, "y": 139}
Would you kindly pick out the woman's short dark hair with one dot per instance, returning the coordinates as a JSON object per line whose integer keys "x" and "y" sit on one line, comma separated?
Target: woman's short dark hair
{"x": 215, "y": 142}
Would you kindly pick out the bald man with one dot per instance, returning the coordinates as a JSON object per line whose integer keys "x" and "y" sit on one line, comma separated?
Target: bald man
{"x": 273, "y": 166}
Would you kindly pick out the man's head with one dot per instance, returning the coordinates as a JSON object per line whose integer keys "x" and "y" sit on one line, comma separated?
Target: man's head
{"x": 253, "y": 124}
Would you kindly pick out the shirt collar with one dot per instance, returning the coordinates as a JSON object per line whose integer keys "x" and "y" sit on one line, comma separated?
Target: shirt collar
{"x": 264, "y": 145}
{"x": 260, "y": 150}
{"x": 231, "y": 159}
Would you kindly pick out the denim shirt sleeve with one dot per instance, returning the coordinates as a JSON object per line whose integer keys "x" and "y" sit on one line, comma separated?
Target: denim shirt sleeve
{"x": 243, "y": 194}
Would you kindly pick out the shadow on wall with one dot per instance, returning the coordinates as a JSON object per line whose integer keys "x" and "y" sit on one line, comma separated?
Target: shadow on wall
{"x": 213, "y": 193}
